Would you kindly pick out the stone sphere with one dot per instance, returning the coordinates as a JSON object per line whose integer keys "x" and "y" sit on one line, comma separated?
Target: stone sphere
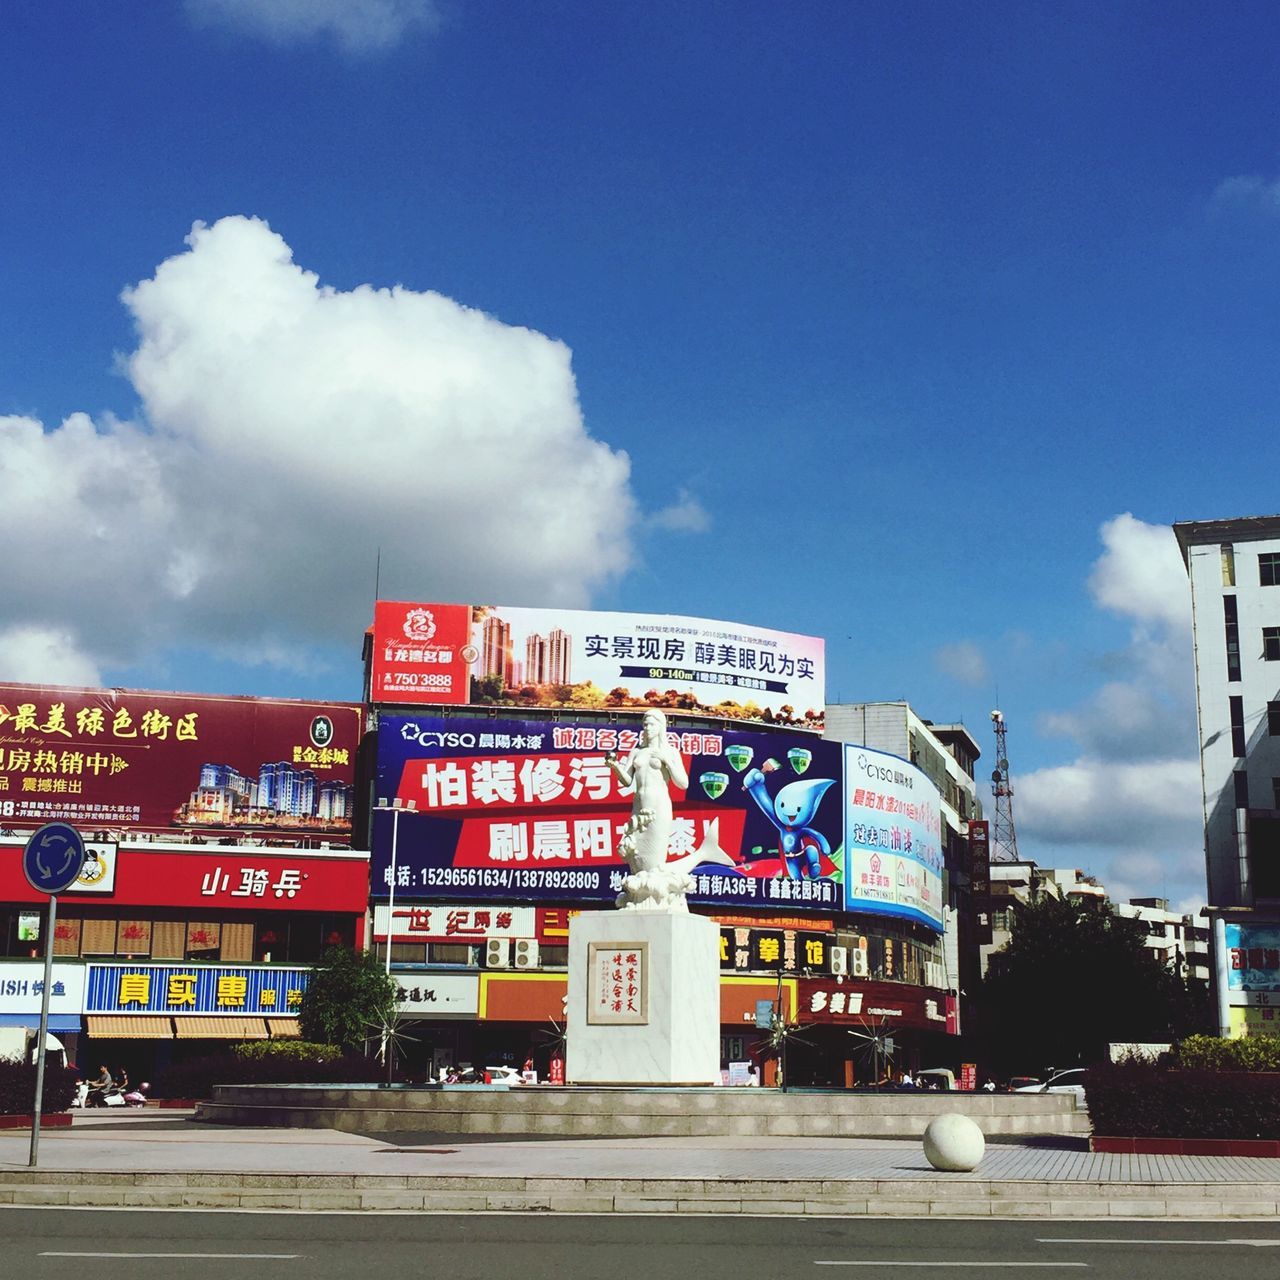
{"x": 954, "y": 1143}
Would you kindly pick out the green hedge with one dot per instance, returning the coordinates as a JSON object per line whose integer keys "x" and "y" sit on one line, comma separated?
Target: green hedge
{"x": 1131, "y": 1101}
{"x": 287, "y": 1050}
{"x": 1210, "y": 1053}
{"x": 18, "y": 1088}
{"x": 196, "y": 1077}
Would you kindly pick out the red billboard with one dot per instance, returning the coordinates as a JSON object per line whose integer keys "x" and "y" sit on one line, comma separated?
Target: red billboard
{"x": 236, "y": 877}
{"x": 859, "y": 1004}
{"x": 131, "y": 760}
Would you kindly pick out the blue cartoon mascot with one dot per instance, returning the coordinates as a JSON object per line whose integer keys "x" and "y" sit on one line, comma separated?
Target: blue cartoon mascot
{"x": 800, "y": 846}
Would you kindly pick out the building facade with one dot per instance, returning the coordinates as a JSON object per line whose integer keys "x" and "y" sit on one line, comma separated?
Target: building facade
{"x": 1234, "y": 570}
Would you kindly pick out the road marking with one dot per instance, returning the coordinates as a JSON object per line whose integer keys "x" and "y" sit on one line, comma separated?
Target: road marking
{"x": 1257, "y": 1244}
{"x": 233, "y": 1256}
{"x": 869, "y": 1262}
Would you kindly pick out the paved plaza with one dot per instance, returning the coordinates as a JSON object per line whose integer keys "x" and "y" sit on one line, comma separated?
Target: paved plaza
{"x": 163, "y": 1158}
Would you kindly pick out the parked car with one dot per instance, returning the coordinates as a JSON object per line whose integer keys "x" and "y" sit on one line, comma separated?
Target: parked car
{"x": 936, "y": 1078}
{"x": 1071, "y": 1082}
{"x": 504, "y": 1075}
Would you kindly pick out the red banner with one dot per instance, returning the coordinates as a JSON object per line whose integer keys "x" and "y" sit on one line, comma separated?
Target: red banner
{"x": 874, "y": 1004}
{"x": 243, "y": 878}
{"x": 128, "y": 760}
{"x": 421, "y": 653}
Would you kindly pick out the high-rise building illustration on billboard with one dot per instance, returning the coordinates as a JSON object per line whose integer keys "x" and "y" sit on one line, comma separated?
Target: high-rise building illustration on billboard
{"x": 280, "y": 796}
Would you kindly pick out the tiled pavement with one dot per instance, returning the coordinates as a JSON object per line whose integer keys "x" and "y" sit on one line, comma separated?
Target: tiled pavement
{"x": 164, "y": 1160}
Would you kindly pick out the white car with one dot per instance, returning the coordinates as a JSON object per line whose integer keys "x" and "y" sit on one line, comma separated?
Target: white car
{"x": 504, "y": 1075}
{"x": 1071, "y": 1082}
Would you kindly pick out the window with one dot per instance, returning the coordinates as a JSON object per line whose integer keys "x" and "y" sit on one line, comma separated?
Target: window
{"x": 450, "y": 953}
{"x": 1271, "y": 643}
{"x": 1239, "y": 746}
{"x": 1241, "y": 780}
{"x": 1228, "y": 564}
{"x": 1273, "y": 719}
{"x": 1275, "y": 795}
{"x": 1231, "y": 626}
{"x": 1269, "y": 569}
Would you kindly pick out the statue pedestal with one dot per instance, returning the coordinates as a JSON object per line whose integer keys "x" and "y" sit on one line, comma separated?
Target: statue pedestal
{"x": 644, "y": 999}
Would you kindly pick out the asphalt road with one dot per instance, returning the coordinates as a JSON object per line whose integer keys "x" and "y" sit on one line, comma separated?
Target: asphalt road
{"x": 219, "y": 1245}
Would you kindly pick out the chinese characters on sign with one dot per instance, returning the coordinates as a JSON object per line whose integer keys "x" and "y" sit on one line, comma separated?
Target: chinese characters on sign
{"x": 1253, "y": 959}
{"x": 195, "y": 989}
{"x": 252, "y": 882}
{"x": 453, "y": 923}
{"x": 617, "y": 983}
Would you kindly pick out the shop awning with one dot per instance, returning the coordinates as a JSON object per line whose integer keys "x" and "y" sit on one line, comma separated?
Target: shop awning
{"x": 224, "y": 1028}
{"x": 135, "y": 1027}
{"x": 284, "y": 1029}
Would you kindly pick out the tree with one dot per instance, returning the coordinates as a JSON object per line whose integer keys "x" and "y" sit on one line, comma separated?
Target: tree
{"x": 349, "y": 997}
{"x": 1073, "y": 978}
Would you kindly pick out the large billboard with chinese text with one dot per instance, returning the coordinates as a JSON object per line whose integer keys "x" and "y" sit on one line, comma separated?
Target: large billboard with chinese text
{"x": 893, "y": 838}
{"x": 528, "y": 810}
{"x": 455, "y": 655}
{"x": 130, "y": 760}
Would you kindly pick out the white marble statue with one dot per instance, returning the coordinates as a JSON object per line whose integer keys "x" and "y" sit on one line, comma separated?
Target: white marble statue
{"x": 653, "y": 766}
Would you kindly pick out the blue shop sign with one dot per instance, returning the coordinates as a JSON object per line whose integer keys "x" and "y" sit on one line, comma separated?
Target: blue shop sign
{"x": 195, "y": 988}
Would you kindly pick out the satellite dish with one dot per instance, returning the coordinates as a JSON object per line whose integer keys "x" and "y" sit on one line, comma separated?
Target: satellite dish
{"x": 995, "y": 775}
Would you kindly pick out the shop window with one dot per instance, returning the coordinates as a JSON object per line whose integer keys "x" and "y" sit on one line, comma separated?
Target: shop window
{"x": 273, "y": 940}
{"x": 133, "y": 939}
{"x": 237, "y": 942}
{"x": 203, "y": 940}
{"x": 407, "y": 952}
{"x": 305, "y": 940}
{"x": 66, "y": 936}
{"x": 168, "y": 940}
{"x": 451, "y": 953}
{"x": 98, "y": 938}
{"x": 553, "y": 957}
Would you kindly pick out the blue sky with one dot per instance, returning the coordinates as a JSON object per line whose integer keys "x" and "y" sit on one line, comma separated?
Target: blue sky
{"x": 895, "y": 311}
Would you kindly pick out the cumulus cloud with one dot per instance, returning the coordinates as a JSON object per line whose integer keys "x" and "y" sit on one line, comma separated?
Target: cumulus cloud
{"x": 359, "y": 26}
{"x": 685, "y": 515}
{"x": 1129, "y": 806}
{"x": 1248, "y": 191}
{"x": 42, "y": 655}
{"x": 290, "y": 432}
{"x": 963, "y": 661}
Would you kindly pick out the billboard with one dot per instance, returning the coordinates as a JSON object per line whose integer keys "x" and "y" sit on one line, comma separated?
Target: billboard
{"x": 1253, "y": 957}
{"x": 456, "y": 654}
{"x": 527, "y": 810}
{"x": 131, "y": 760}
{"x": 194, "y": 988}
{"x": 893, "y": 838}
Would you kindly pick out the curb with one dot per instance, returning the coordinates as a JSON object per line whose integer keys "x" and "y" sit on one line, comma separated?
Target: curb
{"x": 817, "y": 1197}
{"x": 59, "y": 1120}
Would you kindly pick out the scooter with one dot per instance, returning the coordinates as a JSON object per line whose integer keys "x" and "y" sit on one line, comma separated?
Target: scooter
{"x": 137, "y": 1097}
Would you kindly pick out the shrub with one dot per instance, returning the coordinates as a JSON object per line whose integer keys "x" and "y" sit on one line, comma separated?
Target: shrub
{"x": 1210, "y": 1053}
{"x": 196, "y": 1077}
{"x": 290, "y": 1050}
{"x": 18, "y": 1088}
{"x": 1137, "y": 1101}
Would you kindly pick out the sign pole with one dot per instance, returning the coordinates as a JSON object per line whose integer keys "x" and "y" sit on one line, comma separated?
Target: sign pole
{"x": 44, "y": 1031}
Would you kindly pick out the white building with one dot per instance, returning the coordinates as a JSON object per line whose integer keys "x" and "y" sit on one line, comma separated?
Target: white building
{"x": 1234, "y": 567}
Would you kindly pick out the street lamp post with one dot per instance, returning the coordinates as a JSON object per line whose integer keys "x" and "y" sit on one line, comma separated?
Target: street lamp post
{"x": 397, "y": 807}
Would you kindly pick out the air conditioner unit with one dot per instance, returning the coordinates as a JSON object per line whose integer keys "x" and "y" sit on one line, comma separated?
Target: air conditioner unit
{"x": 497, "y": 953}
{"x": 839, "y": 961}
{"x": 526, "y": 953}
{"x": 858, "y": 966}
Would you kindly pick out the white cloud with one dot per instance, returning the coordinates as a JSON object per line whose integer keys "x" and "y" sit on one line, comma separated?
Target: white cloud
{"x": 41, "y": 655}
{"x": 291, "y": 431}
{"x": 1128, "y": 808}
{"x": 685, "y": 515}
{"x": 963, "y": 661}
{"x": 360, "y": 26}
{"x": 1249, "y": 191}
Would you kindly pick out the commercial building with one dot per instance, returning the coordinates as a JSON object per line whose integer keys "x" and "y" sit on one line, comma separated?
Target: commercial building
{"x": 834, "y": 921}
{"x": 1234, "y": 570}
{"x": 188, "y": 927}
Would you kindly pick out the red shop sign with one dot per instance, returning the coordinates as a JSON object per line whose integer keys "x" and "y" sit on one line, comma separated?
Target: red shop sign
{"x": 870, "y": 1003}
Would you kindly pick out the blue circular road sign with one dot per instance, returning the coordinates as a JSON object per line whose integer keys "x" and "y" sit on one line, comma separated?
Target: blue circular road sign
{"x": 53, "y": 857}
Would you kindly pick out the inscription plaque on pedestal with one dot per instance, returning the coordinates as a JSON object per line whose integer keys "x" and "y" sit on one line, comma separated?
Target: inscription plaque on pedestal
{"x": 618, "y": 983}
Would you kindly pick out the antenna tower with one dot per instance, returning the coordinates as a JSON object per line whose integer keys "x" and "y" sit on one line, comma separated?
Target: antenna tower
{"x": 1004, "y": 843}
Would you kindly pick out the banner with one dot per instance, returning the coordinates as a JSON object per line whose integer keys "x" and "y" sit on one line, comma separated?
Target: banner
{"x": 893, "y": 832}
{"x": 452, "y": 923}
{"x": 523, "y": 810}
{"x": 774, "y": 949}
{"x": 194, "y": 988}
{"x": 456, "y": 654}
{"x": 130, "y": 760}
